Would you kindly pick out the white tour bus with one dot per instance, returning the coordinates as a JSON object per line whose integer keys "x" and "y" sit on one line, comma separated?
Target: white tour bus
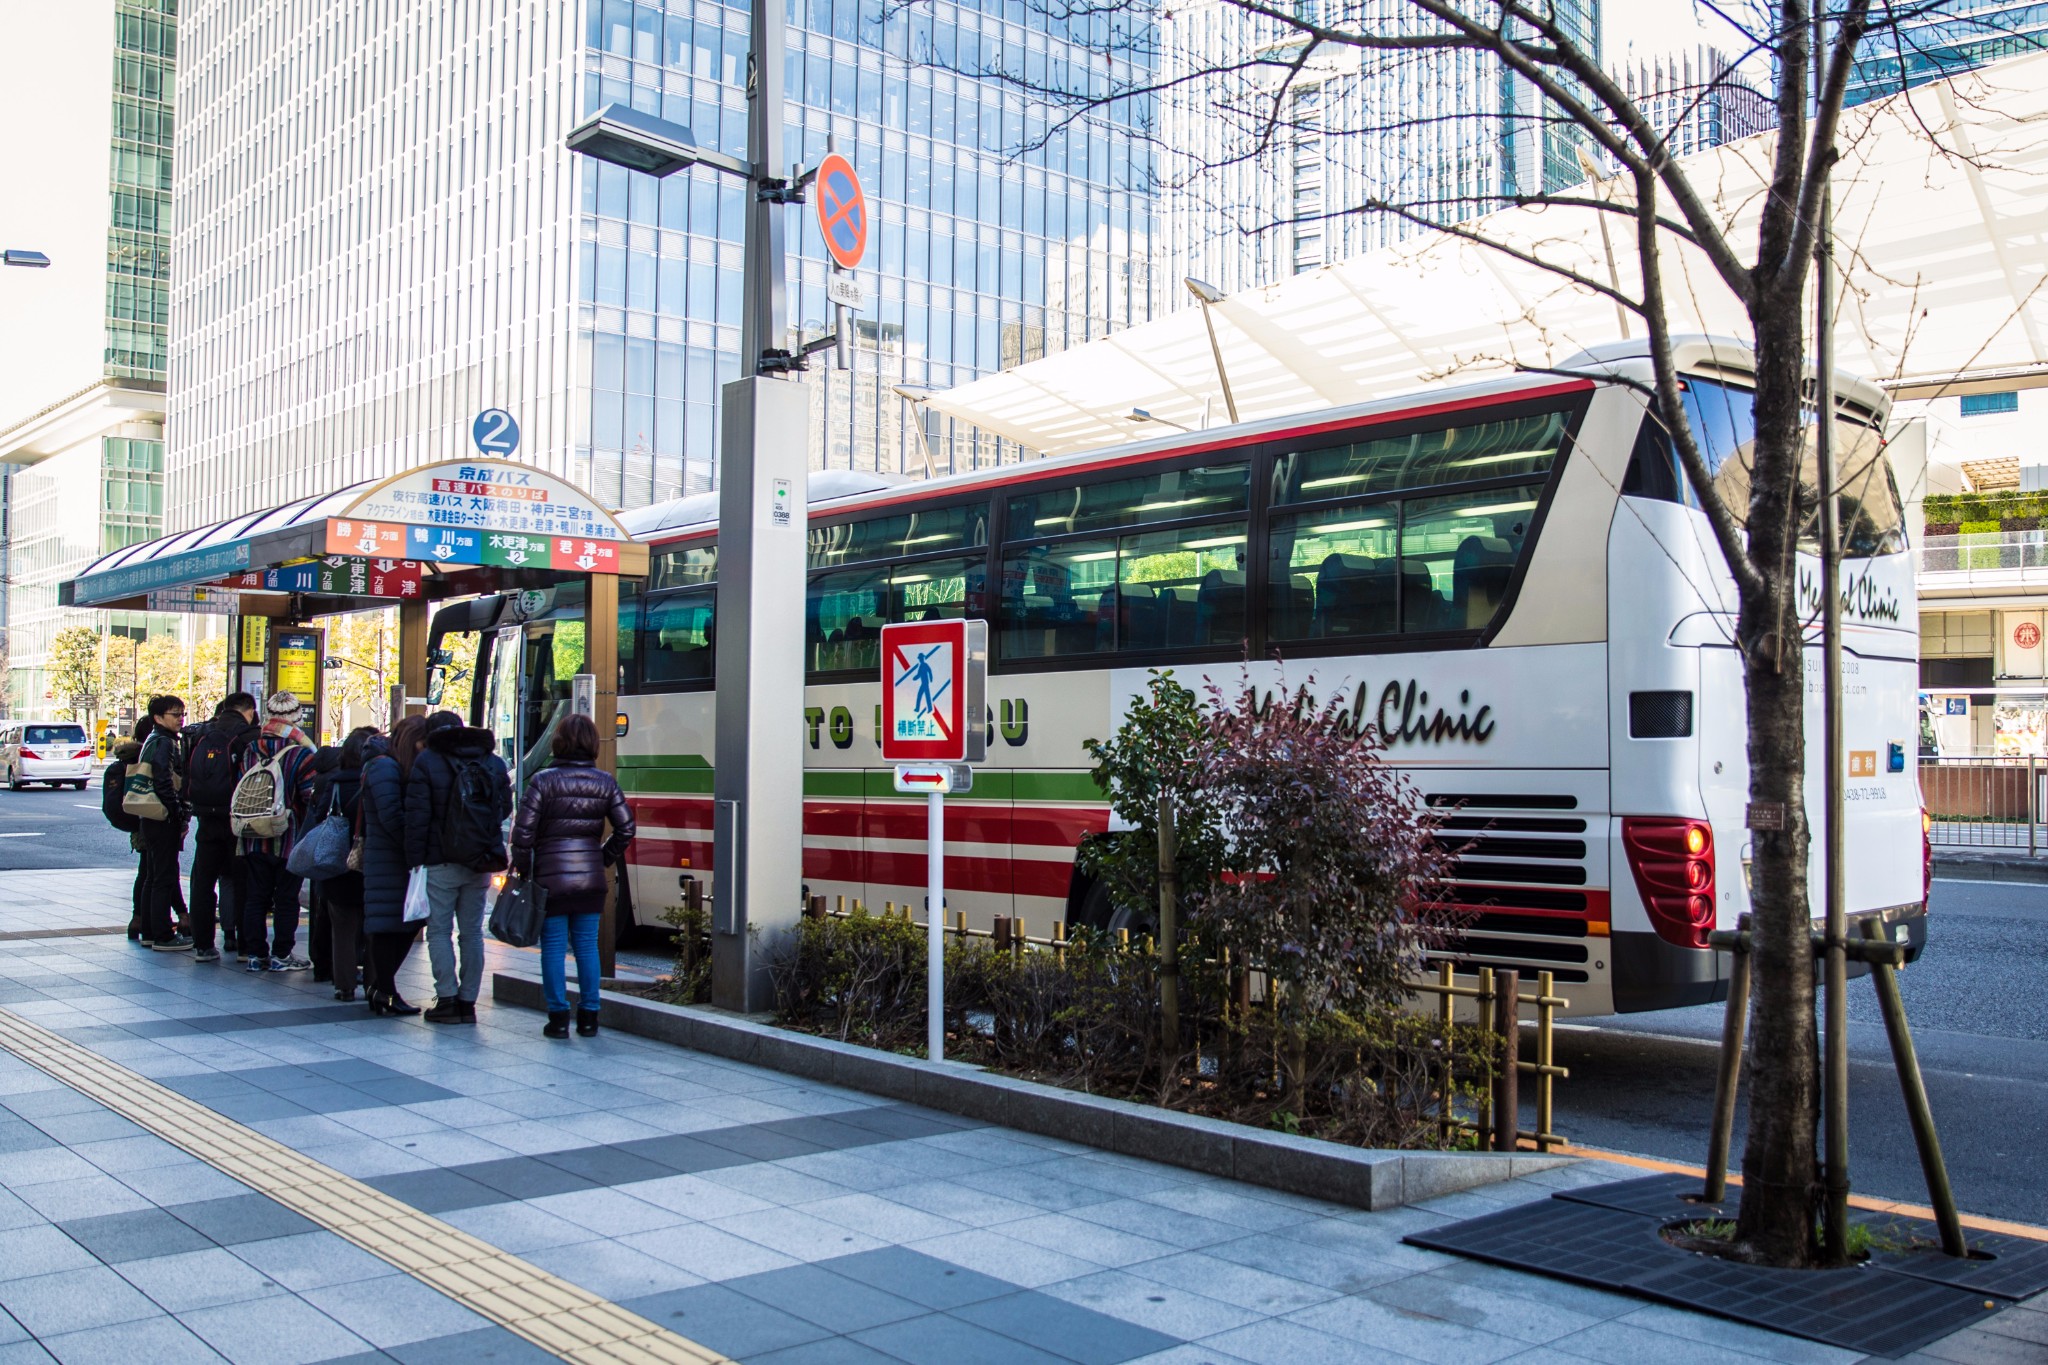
{"x": 1510, "y": 579}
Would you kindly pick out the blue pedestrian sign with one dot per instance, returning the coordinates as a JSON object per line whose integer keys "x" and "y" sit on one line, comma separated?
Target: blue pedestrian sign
{"x": 494, "y": 432}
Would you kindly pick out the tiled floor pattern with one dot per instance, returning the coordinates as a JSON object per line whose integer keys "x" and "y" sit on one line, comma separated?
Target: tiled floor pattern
{"x": 798, "y": 1223}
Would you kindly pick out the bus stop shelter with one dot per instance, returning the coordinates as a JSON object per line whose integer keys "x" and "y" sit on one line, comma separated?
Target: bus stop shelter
{"x": 454, "y": 529}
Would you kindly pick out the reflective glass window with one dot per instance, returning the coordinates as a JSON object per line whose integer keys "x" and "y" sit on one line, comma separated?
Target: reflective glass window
{"x": 1515, "y": 446}
{"x": 902, "y": 534}
{"x": 676, "y": 635}
{"x": 1168, "y": 496}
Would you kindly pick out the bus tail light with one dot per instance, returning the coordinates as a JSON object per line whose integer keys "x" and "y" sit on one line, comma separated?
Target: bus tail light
{"x": 1673, "y": 863}
{"x": 1926, "y": 858}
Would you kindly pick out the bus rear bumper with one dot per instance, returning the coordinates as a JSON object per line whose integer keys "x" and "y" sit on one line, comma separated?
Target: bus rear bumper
{"x": 1650, "y": 974}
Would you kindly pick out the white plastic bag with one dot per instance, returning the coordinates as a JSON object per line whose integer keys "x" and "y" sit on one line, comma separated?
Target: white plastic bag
{"x": 416, "y": 907}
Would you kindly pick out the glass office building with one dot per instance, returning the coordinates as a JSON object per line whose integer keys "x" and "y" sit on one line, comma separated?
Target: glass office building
{"x": 392, "y": 237}
{"x": 1945, "y": 39}
{"x": 1437, "y": 131}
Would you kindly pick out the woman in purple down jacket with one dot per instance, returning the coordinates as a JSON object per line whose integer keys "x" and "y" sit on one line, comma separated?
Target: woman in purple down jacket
{"x": 558, "y": 842}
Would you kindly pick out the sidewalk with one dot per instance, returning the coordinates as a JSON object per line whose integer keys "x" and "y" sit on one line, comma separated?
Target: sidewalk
{"x": 769, "y": 1220}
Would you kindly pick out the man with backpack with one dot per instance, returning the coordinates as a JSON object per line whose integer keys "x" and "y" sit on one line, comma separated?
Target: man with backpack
{"x": 269, "y": 801}
{"x": 113, "y": 785}
{"x": 213, "y": 765}
{"x": 456, "y": 803}
{"x": 163, "y": 825}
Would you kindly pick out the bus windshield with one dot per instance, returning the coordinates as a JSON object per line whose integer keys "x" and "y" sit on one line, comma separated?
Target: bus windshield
{"x": 1723, "y": 422}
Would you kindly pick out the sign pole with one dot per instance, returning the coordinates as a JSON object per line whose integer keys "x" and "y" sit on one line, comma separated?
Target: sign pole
{"x": 935, "y": 933}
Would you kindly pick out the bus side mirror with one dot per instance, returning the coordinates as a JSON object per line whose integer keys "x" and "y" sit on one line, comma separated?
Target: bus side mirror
{"x": 437, "y": 682}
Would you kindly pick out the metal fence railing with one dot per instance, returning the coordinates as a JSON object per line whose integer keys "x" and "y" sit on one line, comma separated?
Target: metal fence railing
{"x": 1984, "y": 550}
{"x": 1985, "y": 802}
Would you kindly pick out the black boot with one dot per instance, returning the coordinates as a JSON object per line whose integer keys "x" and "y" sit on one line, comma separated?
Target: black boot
{"x": 468, "y": 1008}
{"x": 586, "y": 1023}
{"x": 446, "y": 1010}
{"x": 394, "y": 1003}
{"x": 558, "y": 1024}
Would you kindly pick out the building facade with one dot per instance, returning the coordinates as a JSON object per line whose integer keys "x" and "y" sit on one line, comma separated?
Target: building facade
{"x": 88, "y": 465}
{"x": 1697, "y": 99}
{"x": 380, "y": 233}
{"x": 1944, "y": 39}
{"x": 1259, "y": 183}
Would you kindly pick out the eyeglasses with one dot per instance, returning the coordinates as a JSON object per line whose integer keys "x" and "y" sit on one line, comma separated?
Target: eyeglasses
{"x": 174, "y": 715}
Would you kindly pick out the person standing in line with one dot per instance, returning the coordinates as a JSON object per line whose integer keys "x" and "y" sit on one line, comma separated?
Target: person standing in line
{"x": 163, "y": 839}
{"x": 213, "y": 764}
{"x": 319, "y": 927}
{"x": 386, "y": 765}
{"x": 113, "y": 784}
{"x": 340, "y": 789}
{"x": 456, "y": 804}
{"x": 559, "y": 842}
{"x": 273, "y": 890}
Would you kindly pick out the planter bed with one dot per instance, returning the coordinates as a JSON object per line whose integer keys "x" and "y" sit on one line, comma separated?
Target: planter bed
{"x": 1363, "y": 1178}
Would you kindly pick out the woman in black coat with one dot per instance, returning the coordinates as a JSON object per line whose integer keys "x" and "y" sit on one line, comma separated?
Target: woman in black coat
{"x": 386, "y": 765}
{"x": 558, "y": 842}
{"x": 339, "y": 788}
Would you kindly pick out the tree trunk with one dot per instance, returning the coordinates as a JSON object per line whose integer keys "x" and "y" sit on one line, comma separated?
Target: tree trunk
{"x": 1779, "y": 1175}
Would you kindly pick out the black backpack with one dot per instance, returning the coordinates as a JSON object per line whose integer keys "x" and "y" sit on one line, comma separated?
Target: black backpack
{"x": 213, "y": 765}
{"x": 112, "y": 784}
{"x": 471, "y": 833}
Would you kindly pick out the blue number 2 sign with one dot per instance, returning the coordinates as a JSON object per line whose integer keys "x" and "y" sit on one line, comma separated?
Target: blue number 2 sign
{"x": 494, "y": 432}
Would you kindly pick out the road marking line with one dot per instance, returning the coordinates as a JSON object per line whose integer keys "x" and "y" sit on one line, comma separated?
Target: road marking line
{"x": 24, "y": 834}
{"x": 1860, "y": 1201}
{"x": 552, "y": 1313}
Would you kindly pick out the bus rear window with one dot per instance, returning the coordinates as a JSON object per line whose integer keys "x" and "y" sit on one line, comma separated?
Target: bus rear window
{"x": 1723, "y": 422}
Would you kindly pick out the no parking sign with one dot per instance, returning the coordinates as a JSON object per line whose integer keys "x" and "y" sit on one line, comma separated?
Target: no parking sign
{"x": 842, "y": 210}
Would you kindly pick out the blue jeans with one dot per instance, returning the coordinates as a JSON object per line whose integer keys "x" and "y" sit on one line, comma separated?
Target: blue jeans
{"x": 557, "y": 937}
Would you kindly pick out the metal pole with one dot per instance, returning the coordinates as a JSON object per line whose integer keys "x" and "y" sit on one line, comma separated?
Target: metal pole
{"x": 935, "y": 930}
{"x": 1835, "y": 1060}
{"x": 1169, "y": 926}
{"x": 2033, "y": 814}
{"x": 1507, "y": 1013}
{"x": 1906, "y": 1060}
{"x": 1728, "y": 1079}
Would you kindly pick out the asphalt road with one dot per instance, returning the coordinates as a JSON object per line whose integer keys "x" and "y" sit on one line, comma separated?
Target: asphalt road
{"x": 1978, "y": 1004}
{"x": 41, "y": 827}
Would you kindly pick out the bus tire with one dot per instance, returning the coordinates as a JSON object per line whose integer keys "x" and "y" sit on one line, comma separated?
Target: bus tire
{"x": 1101, "y": 915}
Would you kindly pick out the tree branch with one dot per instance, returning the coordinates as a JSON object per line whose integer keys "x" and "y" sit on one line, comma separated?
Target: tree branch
{"x": 1465, "y": 234}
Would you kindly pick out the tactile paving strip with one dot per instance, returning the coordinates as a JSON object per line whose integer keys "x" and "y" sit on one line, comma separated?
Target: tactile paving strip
{"x": 1866, "y": 1308}
{"x": 550, "y": 1312}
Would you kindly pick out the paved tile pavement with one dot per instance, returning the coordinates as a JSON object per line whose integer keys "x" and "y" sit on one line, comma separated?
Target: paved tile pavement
{"x": 780, "y": 1221}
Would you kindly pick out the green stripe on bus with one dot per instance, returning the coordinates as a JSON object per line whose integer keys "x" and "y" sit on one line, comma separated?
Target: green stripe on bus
{"x": 663, "y": 761}
{"x": 690, "y": 775}
{"x": 665, "y": 781}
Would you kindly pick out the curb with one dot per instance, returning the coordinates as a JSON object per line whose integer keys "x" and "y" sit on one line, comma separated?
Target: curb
{"x": 1364, "y": 1178}
{"x": 1991, "y": 867}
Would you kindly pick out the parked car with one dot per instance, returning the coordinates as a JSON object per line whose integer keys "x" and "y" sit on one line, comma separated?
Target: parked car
{"x": 55, "y": 752}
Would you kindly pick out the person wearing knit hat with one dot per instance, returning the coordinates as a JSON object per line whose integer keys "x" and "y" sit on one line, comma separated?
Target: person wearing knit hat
{"x": 281, "y": 717}
{"x": 273, "y": 891}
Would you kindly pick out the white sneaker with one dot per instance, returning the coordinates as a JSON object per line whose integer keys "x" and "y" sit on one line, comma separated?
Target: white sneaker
{"x": 290, "y": 964}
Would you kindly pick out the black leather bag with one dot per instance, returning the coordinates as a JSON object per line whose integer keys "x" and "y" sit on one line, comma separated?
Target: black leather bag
{"x": 521, "y": 912}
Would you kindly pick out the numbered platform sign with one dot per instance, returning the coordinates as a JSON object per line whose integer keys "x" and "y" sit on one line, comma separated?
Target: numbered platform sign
{"x": 935, "y": 692}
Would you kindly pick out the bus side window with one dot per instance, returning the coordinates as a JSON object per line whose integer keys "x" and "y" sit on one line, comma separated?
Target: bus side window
{"x": 676, "y": 638}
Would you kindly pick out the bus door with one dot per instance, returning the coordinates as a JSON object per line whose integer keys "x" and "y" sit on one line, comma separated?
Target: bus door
{"x": 533, "y": 667}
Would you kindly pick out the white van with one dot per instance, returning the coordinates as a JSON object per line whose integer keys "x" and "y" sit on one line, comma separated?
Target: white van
{"x": 55, "y": 752}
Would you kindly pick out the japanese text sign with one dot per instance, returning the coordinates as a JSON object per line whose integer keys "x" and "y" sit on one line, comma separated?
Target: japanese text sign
{"x": 934, "y": 691}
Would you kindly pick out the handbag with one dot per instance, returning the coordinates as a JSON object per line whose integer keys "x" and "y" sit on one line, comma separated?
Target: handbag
{"x": 521, "y": 912}
{"x": 417, "y": 907}
{"x": 138, "y": 793}
{"x": 321, "y": 853}
{"x": 355, "y": 843}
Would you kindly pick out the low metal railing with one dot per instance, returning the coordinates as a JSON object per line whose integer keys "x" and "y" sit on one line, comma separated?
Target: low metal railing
{"x": 1497, "y": 1001}
{"x": 1984, "y": 550}
{"x": 1984, "y": 802}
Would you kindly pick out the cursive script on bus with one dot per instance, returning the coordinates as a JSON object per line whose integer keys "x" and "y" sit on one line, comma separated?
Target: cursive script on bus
{"x": 1863, "y": 598}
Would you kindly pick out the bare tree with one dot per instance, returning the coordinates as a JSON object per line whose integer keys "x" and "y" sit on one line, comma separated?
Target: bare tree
{"x": 1251, "y": 83}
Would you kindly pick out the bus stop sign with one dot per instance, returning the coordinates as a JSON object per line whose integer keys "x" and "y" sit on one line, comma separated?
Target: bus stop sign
{"x": 935, "y": 692}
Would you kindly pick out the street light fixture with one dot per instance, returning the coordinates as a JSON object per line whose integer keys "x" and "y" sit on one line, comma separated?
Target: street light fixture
{"x": 35, "y": 259}
{"x": 624, "y": 136}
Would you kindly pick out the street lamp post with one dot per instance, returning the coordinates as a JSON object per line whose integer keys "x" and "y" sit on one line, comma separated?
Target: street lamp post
{"x": 33, "y": 259}
{"x": 757, "y": 791}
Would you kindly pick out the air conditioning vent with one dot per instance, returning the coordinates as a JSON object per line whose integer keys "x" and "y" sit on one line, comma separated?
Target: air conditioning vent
{"x": 1659, "y": 715}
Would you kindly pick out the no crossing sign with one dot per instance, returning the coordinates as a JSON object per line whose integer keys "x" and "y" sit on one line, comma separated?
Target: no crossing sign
{"x": 934, "y": 692}
{"x": 842, "y": 210}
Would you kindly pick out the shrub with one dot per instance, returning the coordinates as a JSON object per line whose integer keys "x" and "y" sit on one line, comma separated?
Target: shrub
{"x": 1153, "y": 750}
{"x": 1334, "y": 892}
{"x": 689, "y": 980}
{"x": 859, "y": 978}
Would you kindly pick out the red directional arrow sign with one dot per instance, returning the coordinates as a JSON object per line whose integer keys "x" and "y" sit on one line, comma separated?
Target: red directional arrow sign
{"x": 842, "y": 210}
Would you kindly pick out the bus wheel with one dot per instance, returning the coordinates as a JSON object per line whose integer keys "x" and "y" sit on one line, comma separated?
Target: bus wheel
{"x": 1099, "y": 914}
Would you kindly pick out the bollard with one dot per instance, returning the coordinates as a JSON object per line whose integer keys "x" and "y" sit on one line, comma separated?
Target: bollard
{"x": 960, "y": 924}
{"x": 693, "y": 895}
{"x": 1017, "y": 936}
{"x": 814, "y": 908}
{"x": 999, "y": 932}
{"x": 1507, "y": 1107}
